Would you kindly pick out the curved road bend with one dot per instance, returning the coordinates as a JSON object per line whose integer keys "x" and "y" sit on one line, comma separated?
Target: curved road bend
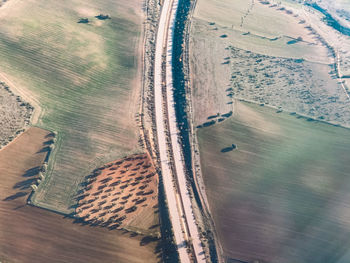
{"x": 178, "y": 196}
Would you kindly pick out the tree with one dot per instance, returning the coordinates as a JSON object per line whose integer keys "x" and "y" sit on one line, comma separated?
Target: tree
{"x": 41, "y": 176}
{"x": 83, "y": 21}
{"x": 44, "y": 167}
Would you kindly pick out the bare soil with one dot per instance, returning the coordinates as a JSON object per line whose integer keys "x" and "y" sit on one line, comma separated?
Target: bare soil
{"x": 29, "y": 234}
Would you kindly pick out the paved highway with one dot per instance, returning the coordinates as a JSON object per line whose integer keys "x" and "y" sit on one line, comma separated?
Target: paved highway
{"x": 161, "y": 136}
{"x": 175, "y": 183}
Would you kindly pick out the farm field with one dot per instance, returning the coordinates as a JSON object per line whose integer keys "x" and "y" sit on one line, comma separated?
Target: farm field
{"x": 282, "y": 195}
{"x": 266, "y": 52}
{"x": 30, "y": 234}
{"x": 82, "y": 79}
{"x": 122, "y": 194}
{"x": 293, "y": 85}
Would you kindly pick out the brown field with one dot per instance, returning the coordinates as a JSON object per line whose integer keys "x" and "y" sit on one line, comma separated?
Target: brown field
{"x": 122, "y": 194}
{"x": 29, "y": 234}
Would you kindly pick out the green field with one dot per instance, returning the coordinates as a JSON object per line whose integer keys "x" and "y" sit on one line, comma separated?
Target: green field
{"x": 283, "y": 194}
{"x": 83, "y": 76}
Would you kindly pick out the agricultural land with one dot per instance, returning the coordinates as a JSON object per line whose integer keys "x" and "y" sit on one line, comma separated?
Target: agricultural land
{"x": 30, "y": 234}
{"x": 70, "y": 99}
{"x": 166, "y": 131}
{"x": 76, "y": 63}
{"x": 122, "y": 194}
{"x": 267, "y": 53}
{"x": 281, "y": 193}
{"x": 275, "y": 167}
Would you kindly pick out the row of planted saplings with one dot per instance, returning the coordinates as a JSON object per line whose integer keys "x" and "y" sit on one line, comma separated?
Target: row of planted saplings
{"x": 105, "y": 209}
{"x": 86, "y": 204}
{"x": 102, "y": 211}
{"x": 44, "y": 168}
{"x": 112, "y": 216}
{"x": 102, "y": 206}
{"x": 92, "y": 178}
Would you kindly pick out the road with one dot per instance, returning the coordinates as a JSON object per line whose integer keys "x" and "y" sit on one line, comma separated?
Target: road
{"x": 175, "y": 183}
